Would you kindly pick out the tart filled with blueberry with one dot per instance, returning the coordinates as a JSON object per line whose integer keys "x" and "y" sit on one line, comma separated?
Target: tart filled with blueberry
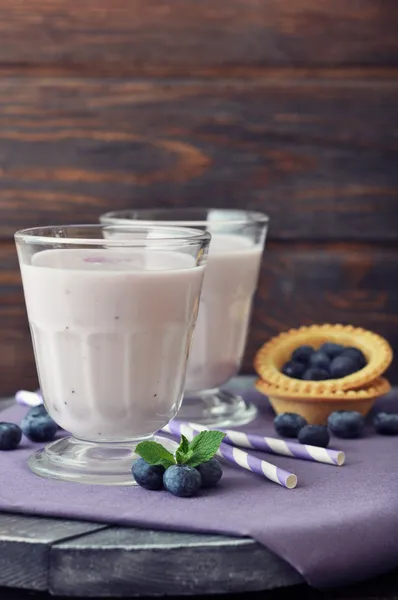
{"x": 330, "y": 357}
{"x": 316, "y": 370}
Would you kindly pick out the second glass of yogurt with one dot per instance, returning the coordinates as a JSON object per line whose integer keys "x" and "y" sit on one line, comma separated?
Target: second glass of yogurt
{"x": 230, "y": 282}
{"x": 111, "y": 312}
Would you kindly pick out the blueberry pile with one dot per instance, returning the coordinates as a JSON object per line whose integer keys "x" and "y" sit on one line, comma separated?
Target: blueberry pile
{"x": 183, "y": 473}
{"x": 347, "y": 424}
{"x": 330, "y": 361}
{"x": 180, "y": 480}
{"x": 292, "y": 425}
{"x": 37, "y": 426}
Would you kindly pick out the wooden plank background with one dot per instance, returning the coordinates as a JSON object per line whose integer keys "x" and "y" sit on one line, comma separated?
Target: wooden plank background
{"x": 286, "y": 106}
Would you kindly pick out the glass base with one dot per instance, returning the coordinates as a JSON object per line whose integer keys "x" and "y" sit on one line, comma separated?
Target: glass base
{"x": 70, "y": 459}
{"x": 216, "y": 408}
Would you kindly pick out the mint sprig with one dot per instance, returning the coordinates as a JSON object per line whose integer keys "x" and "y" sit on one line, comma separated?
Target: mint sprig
{"x": 183, "y": 452}
{"x": 201, "y": 449}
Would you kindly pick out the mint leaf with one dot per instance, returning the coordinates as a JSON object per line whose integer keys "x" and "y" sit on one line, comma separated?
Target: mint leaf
{"x": 183, "y": 452}
{"x": 204, "y": 446}
{"x": 155, "y": 454}
{"x": 184, "y": 444}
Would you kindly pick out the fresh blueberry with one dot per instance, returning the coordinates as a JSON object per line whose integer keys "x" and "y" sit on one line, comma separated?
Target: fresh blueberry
{"x": 320, "y": 360}
{"x": 148, "y": 476}
{"x": 10, "y": 436}
{"x": 302, "y": 354}
{"x": 289, "y": 424}
{"x": 182, "y": 480}
{"x": 346, "y": 424}
{"x": 211, "y": 472}
{"x": 341, "y": 366}
{"x": 316, "y": 374}
{"x": 315, "y": 435}
{"x": 356, "y": 356}
{"x": 293, "y": 369}
{"x": 331, "y": 349}
{"x": 386, "y": 424}
{"x": 39, "y": 429}
{"x": 36, "y": 411}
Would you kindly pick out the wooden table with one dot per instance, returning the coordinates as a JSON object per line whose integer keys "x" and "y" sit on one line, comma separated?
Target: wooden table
{"x": 76, "y": 559}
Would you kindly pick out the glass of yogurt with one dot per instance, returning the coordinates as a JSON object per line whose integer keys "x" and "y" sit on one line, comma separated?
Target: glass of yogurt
{"x": 230, "y": 282}
{"x": 111, "y": 312}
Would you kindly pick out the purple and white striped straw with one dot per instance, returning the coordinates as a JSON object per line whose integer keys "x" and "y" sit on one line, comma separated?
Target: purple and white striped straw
{"x": 239, "y": 457}
{"x": 276, "y": 446}
{"x": 26, "y": 398}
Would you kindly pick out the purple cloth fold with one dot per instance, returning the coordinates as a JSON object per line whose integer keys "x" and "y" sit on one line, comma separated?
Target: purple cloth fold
{"x": 337, "y": 527}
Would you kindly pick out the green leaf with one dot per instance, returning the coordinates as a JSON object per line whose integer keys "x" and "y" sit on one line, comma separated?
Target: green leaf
{"x": 183, "y": 453}
{"x": 204, "y": 446}
{"x": 184, "y": 444}
{"x": 155, "y": 454}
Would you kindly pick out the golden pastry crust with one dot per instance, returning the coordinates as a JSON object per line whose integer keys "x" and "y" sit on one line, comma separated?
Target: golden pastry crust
{"x": 376, "y": 388}
{"x": 271, "y": 357}
{"x": 316, "y": 409}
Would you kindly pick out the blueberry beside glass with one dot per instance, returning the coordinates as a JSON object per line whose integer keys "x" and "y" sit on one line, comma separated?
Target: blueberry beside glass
{"x": 180, "y": 480}
{"x": 148, "y": 476}
{"x": 10, "y": 436}
{"x": 38, "y": 426}
{"x": 211, "y": 472}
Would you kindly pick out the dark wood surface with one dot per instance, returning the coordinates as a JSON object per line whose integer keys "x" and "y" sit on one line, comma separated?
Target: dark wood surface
{"x": 285, "y": 106}
{"x": 25, "y": 545}
{"x": 87, "y": 560}
{"x": 318, "y": 155}
{"x": 382, "y": 588}
{"x": 71, "y": 558}
{"x": 389, "y": 585}
{"x": 182, "y": 35}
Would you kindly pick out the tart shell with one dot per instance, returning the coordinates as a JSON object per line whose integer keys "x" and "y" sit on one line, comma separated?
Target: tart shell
{"x": 316, "y": 408}
{"x": 271, "y": 357}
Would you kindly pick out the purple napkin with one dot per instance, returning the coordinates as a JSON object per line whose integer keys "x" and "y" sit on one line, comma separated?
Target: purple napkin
{"x": 338, "y": 526}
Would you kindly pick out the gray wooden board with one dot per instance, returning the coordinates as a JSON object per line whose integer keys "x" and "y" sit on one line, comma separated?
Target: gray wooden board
{"x": 25, "y": 544}
{"x": 133, "y": 562}
{"x": 73, "y": 558}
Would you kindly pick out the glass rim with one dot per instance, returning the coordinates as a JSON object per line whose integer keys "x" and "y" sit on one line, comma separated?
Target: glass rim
{"x": 248, "y": 216}
{"x": 182, "y": 235}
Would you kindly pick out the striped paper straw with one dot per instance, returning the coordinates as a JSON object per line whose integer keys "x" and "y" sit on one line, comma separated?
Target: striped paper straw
{"x": 28, "y": 398}
{"x": 239, "y": 457}
{"x": 276, "y": 446}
